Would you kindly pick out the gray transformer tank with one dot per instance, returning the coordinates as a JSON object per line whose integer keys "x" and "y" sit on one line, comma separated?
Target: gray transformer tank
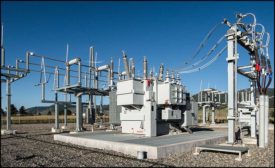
{"x": 151, "y": 107}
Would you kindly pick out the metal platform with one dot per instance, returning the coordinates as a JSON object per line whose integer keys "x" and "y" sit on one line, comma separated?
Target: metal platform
{"x": 76, "y": 89}
{"x": 155, "y": 147}
{"x": 219, "y": 148}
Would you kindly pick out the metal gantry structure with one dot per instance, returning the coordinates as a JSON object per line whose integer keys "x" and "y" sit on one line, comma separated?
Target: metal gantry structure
{"x": 88, "y": 78}
{"x": 87, "y": 84}
{"x": 211, "y": 98}
{"x": 247, "y": 36}
{"x": 255, "y": 40}
{"x": 10, "y": 74}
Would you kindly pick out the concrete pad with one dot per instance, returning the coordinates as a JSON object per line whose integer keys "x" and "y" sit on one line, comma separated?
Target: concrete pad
{"x": 156, "y": 147}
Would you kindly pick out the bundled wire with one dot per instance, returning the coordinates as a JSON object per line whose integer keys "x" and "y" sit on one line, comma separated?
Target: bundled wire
{"x": 248, "y": 27}
{"x": 204, "y": 57}
{"x": 206, "y": 64}
{"x": 268, "y": 64}
{"x": 263, "y": 66}
{"x": 204, "y": 41}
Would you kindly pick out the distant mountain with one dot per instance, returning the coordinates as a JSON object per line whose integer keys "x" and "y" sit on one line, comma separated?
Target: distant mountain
{"x": 44, "y": 110}
{"x": 36, "y": 110}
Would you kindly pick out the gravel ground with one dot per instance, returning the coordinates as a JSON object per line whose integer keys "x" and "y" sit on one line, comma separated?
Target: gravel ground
{"x": 34, "y": 146}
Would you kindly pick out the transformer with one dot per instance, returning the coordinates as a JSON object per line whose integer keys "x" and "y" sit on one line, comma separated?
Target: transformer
{"x": 150, "y": 106}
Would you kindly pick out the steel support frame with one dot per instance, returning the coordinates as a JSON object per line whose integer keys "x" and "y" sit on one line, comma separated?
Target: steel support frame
{"x": 79, "y": 118}
{"x": 204, "y": 114}
{"x": 266, "y": 105}
{"x": 8, "y": 81}
{"x": 65, "y": 112}
{"x": 8, "y": 90}
{"x": 213, "y": 116}
{"x": 262, "y": 121}
{"x": 253, "y": 124}
{"x": 232, "y": 82}
{"x": 56, "y": 125}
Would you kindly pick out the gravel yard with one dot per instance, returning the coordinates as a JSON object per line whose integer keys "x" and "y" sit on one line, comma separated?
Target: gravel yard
{"x": 34, "y": 146}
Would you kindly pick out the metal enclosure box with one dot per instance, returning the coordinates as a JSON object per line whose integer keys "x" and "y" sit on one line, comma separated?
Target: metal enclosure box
{"x": 191, "y": 116}
{"x": 114, "y": 109}
{"x": 164, "y": 96}
{"x": 129, "y": 99}
{"x": 245, "y": 115}
{"x": 148, "y": 109}
{"x": 169, "y": 114}
{"x": 132, "y": 116}
{"x": 132, "y": 127}
{"x": 194, "y": 112}
{"x": 132, "y": 121}
{"x": 169, "y": 93}
{"x": 130, "y": 92}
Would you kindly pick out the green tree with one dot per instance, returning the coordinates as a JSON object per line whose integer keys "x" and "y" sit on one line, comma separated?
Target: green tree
{"x": 49, "y": 113}
{"x": 13, "y": 109}
{"x": 2, "y": 112}
{"x": 22, "y": 110}
{"x": 69, "y": 112}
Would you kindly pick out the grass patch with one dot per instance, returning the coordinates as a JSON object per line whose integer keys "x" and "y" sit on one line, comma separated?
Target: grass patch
{"x": 43, "y": 119}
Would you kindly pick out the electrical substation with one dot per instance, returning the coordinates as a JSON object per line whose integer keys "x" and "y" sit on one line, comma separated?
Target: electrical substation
{"x": 153, "y": 116}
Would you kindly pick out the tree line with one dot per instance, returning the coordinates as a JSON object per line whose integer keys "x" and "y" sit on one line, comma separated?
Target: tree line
{"x": 14, "y": 110}
{"x": 22, "y": 111}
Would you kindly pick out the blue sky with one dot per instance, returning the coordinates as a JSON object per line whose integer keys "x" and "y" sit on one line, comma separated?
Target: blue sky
{"x": 165, "y": 32}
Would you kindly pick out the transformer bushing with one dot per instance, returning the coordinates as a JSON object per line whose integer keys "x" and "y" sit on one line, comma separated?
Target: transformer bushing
{"x": 145, "y": 68}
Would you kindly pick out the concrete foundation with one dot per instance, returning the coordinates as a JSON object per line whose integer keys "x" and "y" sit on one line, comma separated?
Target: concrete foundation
{"x": 54, "y": 130}
{"x": 114, "y": 110}
{"x": 8, "y": 132}
{"x": 250, "y": 141}
{"x": 63, "y": 127}
{"x": 155, "y": 147}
